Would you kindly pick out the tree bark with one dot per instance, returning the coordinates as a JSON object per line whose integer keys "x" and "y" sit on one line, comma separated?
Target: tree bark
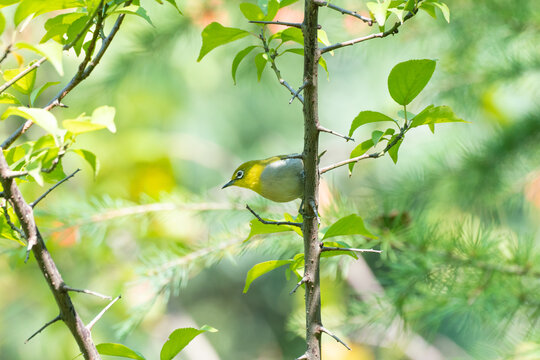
{"x": 46, "y": 264}
{"x": 312, "y": 249}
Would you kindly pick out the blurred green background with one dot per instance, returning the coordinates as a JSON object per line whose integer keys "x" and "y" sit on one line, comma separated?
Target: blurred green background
{"x": 155, "y": 227}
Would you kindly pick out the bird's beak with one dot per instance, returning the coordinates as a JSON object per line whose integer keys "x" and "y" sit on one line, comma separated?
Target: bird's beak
{"x": 228, "y": 184}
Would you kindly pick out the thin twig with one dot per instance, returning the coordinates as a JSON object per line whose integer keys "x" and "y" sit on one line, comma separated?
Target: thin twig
{"x": 284, "y": 23}
{"x": 56, "y": 161}
{"x": 43, "y": 327}
{"x": 335, "y": 248}
{"x": 323, "y": 129}
{"x": 328, "y": 332}
{"x": 34, "y": 203}
{"x": 365, "y": 19}
{"x": 16, "y": 174}
{"x": 10, "y": 223}
{"x": 392, "y": 31}
{"x": 85, "y": 291}
{"x": 300, "y": 283}
{"x": 271, "y": 222}
{"x": 351, "y": 42}
{"x": 295, "y": 95}
{"x": 102, "y": 312}
{"x": 348, "y": 161}
{"x": 272, "y": 58}
{"x": 6, "y": 53}
{"x": 22, "y": 74}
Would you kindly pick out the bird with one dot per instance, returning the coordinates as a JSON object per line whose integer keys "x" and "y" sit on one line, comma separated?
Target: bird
{"x": 277, "y": 178}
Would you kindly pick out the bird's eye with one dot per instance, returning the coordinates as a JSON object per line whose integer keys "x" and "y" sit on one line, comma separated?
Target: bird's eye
{"x": 239, "y": 174}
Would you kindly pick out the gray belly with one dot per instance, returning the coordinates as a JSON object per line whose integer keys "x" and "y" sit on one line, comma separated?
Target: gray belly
{"x": 282, "y": 180}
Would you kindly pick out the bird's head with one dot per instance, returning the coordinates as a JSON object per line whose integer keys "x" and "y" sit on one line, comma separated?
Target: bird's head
{"x": 247, "y": 175}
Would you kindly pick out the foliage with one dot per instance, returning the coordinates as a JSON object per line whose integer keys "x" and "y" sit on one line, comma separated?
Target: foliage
{"x": 484, "y": 170}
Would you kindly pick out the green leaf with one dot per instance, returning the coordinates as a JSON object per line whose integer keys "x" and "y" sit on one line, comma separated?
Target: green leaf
{"x": 429, "y": 8}
{"x": 2, "y": 23}
{"x": 118, "y": 350}
{"x": 393, "y": 151}
{"x": 41, "y": 117}
{"x": 323, "y": 64}
{"x": 435, "y": 115}
{"x": 271, "y": 10}
{"x": 376, "y": 136}
{"x": 410, "y": 115}
{"x": 360, "y": 150}
{"x": 400, "y": 13}
{"x": 173, "y": 3}
{"x": 37, "y": 92}
{"x": 408, "y": 78}
{"x": 284, "y": 3}
{"x": 34, "y": 169}
{"x": 104, "y": 115}
{"x": 134, "y": 10}
{"x": 238, "y": 59}
{"x": 81, "y": 124}
{"x": 215, "y": 35}
{"x": 6, "y": 232}
{"x": 296, "y": 229}
{"x": 57, "y": 26}
{"x": 258, "y": 228}
{"x": 292, "y": 34}
{"x": 90, "y": 157}
{"x": 179, "y": 339}
{"x": 322, "y": 37}
{"x": 38, "y": 7}
{"x": 379, "y": 11}
{"x": 260, "y": 63}
{"x": 4, "y": 3}
{"x": 444, "y": 9}
{"x": 261, "y": 269}
{"x": 389, "y": 131}
{"x": 24, "y": 84}
{"x": 348, "y": 225}
{"x": 73, "y": 31}
{"x": 6, "y": 98}
{"x": 252, "y": 12}
{"x": 409, "y": 6}
{"x": 297, "y": 262}
{"x": 366, "y": 117}
{"x": 52, "y": 51}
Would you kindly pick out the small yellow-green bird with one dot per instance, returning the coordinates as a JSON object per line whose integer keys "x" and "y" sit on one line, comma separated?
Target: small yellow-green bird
{"x": 278, "y": 178}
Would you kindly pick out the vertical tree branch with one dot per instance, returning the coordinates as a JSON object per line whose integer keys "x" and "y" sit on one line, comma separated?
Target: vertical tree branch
{"x": 46, "y": 264}
{"x": 312, "y": 249}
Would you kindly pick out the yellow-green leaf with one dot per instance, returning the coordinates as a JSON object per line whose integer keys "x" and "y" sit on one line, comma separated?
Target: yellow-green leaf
{"x": 179, "y": 339}
{"x": 120, "y": 350}
{"x": 25, "y": 84}
{"x": 348, "y": 225}
{"x": 41, "y": 117}
{"x": 215, "y": 35}
{"x": 261, "y": 269}
{"x": 51, "y": 50}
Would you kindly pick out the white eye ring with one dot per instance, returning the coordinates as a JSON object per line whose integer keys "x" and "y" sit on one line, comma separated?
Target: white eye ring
{"x": 240, "y": 174}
